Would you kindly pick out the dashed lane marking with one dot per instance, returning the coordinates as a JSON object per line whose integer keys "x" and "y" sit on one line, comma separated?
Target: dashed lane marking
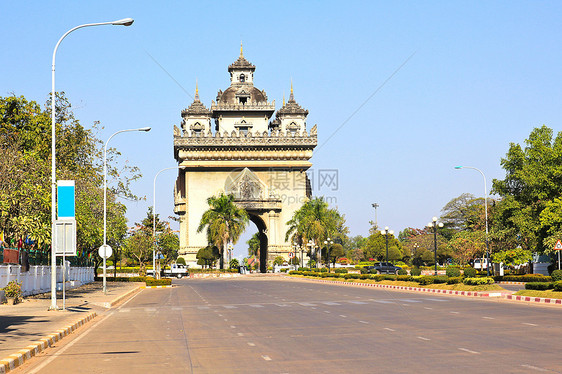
{"x": 534, "y": 368}
{"x": 230, "y": 306}
{"x": 469, "y": 351}
{"x": 384, "y": 301}
{"x": 266, "y": 358}
{"x": 203, "y": 307}
{"x": 363, "y": 322}
{"x": 454, "y": 312}
{"x": 330, "y": 303}
{"x": 388, "y": 329}
{"x": 530, "y": 324}
{"x": 428, "y": 308}
{"x": 251, "y": 344}
{"x": 488, "y": 317}
{"x": 256, "y": 306}
{"x": 343, "y": 316}
{"x": 232, "y": 327}
{"x": 358, "y": 302}
{"x": 240, "y": 334}
{"x": 423, "y": 338}
{"x": 307, "y": 304}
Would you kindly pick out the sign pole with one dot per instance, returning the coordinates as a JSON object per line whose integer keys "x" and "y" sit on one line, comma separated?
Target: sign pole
{"x": 558, "y": 247}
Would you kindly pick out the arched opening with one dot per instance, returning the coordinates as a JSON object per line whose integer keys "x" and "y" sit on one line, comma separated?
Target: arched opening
{"x": 262, "y": 232}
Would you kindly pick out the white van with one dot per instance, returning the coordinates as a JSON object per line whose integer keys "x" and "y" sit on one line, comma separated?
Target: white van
{"x": 480, "y": 264}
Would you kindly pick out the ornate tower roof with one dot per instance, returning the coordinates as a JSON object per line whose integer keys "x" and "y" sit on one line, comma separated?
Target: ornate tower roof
{"x": 241, "y": 63}
{"x": 197, "y": 108}
{"x": 291, "y": 107}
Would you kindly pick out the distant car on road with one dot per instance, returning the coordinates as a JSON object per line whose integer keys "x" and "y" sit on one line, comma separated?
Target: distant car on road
{"x": 384, "y": 268}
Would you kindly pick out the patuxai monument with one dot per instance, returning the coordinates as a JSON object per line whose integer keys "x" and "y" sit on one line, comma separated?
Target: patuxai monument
{"x": 242, "y": 146}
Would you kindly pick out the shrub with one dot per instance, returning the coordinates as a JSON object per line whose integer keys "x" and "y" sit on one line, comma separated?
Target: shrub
{"x": 558, "y": 286}
{"x": 332, "y": 275}
{"x": 158, "y": 282}
{"x": 180, "y": 261}
{"x": 478, "y": 281}
{"x": 364, "y": 271}
{"x": 378, "y": 277}
{"x": 13, "y": 289}
{"x": 469, "y": 272}
{"x": 324, "y": 270}
{"x": 454, "y": 280}
{"x": 303, "y": 269}
{"x": 416, "y": 272}
{"x": 453, "y": 272}
{"x": 440, "y": 279}
{"x": 340, "y": 271}
{"x": 426, "y": 279}
{"x": 541, "y": 286}
{"x": 556, "y": 275}
{"x": 389, "y": 277}
{"x": 402, "y": 272}
{"x": 324, "y": 274}
{"x": 527, "y": 278}
{"x": 364, "y": 276}
{"x": 284, "y": 270}
{"x": 351, "y": 276}
{"x": 403, "y": 277}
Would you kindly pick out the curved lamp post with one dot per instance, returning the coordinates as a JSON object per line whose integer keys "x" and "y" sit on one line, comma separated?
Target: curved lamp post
{"x": 328, "y": 242}
{"x": 121, "y": 22}
{"x": 154, "y": 218}
{"x": 486, "y": 212}
{"x": 387, "y": 232}
{"x": 434, "y": 224}
{"x": 105, "y": 199}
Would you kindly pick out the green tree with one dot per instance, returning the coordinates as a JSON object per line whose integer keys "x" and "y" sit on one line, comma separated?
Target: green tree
{"x": 464, "y": 212}
{"x": 279, "y": 260}
{"x": 254, "y": 245}
{"x": 224, "y": 221}
{"x": 334, "y": 252}
{"x": 533, "y": 179}
{"x": 139, "y": 246}
{"x": 207, "y": 256}
{"x": 467, "y": 245}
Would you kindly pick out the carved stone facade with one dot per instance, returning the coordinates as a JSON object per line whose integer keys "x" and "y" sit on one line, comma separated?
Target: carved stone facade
{"x": 262, "y": 162}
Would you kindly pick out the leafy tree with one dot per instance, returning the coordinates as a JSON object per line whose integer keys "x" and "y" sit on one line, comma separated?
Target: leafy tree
{"x": 533, "y": 180}
{"x": 375, "y": 247}
{"x": 278, "y": 261}
{"x": 466, "y": 245}
{"x": 207, "y": 256}
{"x": 512, "y": 257}
{"x": 462, "y": 213}
{"x": 335, "y": 251}
{"x": 254, "y": 245}
{"x": 139, "y": 246}
{"x": 225, "y": 222}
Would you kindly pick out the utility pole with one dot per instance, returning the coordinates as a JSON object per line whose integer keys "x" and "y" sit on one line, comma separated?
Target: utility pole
{"x": 375, "y": 205}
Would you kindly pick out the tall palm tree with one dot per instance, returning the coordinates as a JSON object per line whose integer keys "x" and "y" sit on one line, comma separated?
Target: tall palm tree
{"x": 225, "y": 222}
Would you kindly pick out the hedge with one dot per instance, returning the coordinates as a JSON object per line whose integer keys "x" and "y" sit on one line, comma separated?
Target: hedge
{"x": 558, "y": 286}
{"x": 415, "y": 272}
{"x": 469, "y": 272}
{"x": 120, "y": 279}
{"x": 454, "y": 280}
{"x": 556, "y": 275}
{"x": 478, "y": 281}
{"x": 158, "y": 282}
{"x": 541, "y": 286}
{"x": 453, "y": 272}
{"x": 426, "y": 279}
{"x": 524, "y": 278}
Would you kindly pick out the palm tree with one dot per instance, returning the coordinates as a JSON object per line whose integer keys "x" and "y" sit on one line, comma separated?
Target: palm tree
{"x": 225, "y": 222}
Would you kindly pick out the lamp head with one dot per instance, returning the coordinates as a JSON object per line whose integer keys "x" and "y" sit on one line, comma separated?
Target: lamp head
{"x": 440, "y": 224}
{"x": 386, "y": 228}
{"x": 458, "y": 167}
{"x": 391, "y": 232}
{"x": 124, "y": 22}
{"x": 144, "y": 129}
{"x": 434, "y": 219}
{"x": 383, "y": 232}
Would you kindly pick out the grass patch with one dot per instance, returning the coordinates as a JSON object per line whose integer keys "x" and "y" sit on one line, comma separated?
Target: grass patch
{"x": 550, "y": 294}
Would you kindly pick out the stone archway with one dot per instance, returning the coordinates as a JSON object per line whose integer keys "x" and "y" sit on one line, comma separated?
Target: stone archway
{"x": 262, "y": 232}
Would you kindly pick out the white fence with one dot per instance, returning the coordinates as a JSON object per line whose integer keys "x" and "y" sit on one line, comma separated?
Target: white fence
{"x": 38, "y": 278}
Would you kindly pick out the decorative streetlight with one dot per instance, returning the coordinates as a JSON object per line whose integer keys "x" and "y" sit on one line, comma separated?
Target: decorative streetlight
{"x": 386, "y": 232}
{"x": 302, "y": 256}
{"x": 313, "y": 246}
{"x": 375, "y": 205}
{"x": 145, "y": 129}
{"x": 230, "y": 248}
{"x": 122, "y": 22}
{"x": 486, "y": 212}
{"x": 154, "y": 219}
{"x": 328, "y": 249}
{"x": 434, "y": 224}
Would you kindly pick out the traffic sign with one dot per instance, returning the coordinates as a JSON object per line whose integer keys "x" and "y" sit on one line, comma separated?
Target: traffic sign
{"x": 558, "y": 246}
{"x": 105, "y": 253}
{"x": 291, "y": 254}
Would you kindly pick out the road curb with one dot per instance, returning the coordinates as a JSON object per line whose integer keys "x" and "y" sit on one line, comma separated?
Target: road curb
{"x": 532, "y": 299}
{"x": 110, "y": 304}
{"x": 144, "y": 287}
{"x": 17, "y": 359}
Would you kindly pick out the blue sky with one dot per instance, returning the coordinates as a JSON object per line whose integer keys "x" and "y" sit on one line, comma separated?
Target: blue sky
{"x": 466, "y": 79}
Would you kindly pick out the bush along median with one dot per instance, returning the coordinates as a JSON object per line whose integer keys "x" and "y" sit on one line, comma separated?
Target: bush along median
{"x": 427, "y": 281}
{"x": 149, "y": 281}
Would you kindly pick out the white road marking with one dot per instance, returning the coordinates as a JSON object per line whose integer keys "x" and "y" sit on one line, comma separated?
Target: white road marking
{"x": 357, "y": 302}
{"x": 388, "y": 329}
{"x": 225, "y": 320}
{"x": 330, "y": 303}
{"x": 220, "y": 315}
{"x": 256, "y": 306}
{"x": 125, "y": 310}
{"x": 251, "y": 344}
{"x": 240, "y": 334}
{"x": 469, "y": 351}
{"x": 533, "y": 367}
{"x": 326, "y": 311}
{"x": 203, "y": 307}
{"x": 454, "y": 312}
{"x": 267, "y": 358}
{"x": 422, "y": 338}
{"x": 176, "y": 308}
{"x": 282, "y": 305}
{"x": 410, "y": 300}
{"x": 232, "y": 327}
{"x": 529, "y": 324}
{"x": 342, "y": 315}
{"x": 406, "y": 304}
{"x": 428, "y": 308}
{"x": 307, "y": 304}
{"x": 488, "y": 317}
{"x": 363, "y": 322}
{"x": 384, "y": 301}
{"x": 230, "y": 306}
{"x": 150, "y": 310}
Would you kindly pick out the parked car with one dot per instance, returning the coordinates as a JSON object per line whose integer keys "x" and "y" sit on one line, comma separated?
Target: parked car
{"x": 479, "y": 264}
{"x": 384, "y": 268}
{"x": 175, "y": 270}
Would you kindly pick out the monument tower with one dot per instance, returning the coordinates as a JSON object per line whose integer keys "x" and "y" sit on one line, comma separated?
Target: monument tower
{"x": 237, "y": 147}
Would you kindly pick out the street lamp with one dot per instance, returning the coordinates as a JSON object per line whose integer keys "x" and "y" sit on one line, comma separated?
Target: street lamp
{"x": 386, "y": 232}
{"x": 328, "y": 249}
{"x": 434, "y": 224}
{"x": 154, "y": 219}
{"x": 313, "y": 246}
{"x": 105, "y": 199}
{"x": 486, "y": 212}
{"x": 122, "y": 22}
{"x": 230, "y": 248}
{"x": 375, "y": 205}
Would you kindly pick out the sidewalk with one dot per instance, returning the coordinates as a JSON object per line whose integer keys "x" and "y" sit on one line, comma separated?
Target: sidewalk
{"x": 29, "y": 327}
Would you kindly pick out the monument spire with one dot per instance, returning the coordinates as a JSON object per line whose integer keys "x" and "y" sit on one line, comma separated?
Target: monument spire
{"x": 196, "y": 90}
{"x": 291, "y": 97}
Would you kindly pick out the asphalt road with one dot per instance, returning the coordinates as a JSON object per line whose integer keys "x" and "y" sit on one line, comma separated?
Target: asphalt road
{"x": 267, "y": 325}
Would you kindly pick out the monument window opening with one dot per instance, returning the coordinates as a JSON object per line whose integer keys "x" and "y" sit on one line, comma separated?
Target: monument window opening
{"x": 242, "y": 100}
{"x": 242, "y": 78}
{"x": 244, "y": 130}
